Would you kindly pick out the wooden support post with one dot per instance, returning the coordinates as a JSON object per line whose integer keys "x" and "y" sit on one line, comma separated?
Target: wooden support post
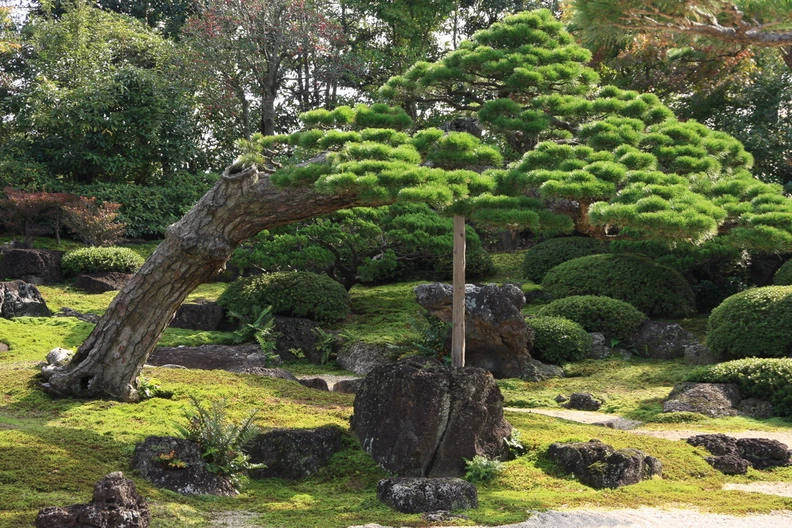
{"x": 458, "y": 307}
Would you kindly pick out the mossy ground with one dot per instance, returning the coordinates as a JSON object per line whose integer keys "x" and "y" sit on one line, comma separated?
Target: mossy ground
{"x": 53, "y": 450}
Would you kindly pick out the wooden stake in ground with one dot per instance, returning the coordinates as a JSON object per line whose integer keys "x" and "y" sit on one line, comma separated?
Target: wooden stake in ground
{"x": 458, "y": 306}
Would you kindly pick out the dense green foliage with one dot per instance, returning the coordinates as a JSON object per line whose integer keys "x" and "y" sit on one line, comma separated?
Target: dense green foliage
{"x": 614, "y": 318}
{"x": 98, "y": 259}
{"x": 753, "y": 323}
{"x": 546, "y": 255}
{"x": 295, "y": 294}
{"x": 657, "y": 291}
{"x": 558, "y": 340}
{"x": 783, "y": 276}
{"x": 765, "y": 378}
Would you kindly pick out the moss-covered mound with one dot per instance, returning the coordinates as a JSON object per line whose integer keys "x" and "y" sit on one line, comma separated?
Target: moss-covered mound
{"x": 559, "y": 340}
{"x": 295, "y": 294}
{"x": 657, "y": 291}
{"x": 595, "y": 313}
{"x": 753, "y": 323}
{"x": 548, "y": 254}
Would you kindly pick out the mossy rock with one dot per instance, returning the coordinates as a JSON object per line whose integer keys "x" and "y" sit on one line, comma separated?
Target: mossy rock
{"x": 657, "y": 291}
{"x": 546, "y": 255}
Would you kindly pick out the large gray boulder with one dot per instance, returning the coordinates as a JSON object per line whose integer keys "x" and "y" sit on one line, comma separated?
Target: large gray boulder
{"x": 233, "y": 358}
{"x": 421, "y": 495}
{"x": 21, "y": 299}
{"x": 601, "y": 466}
{"x": 715, "y": 400}
{"x": 153, "y": 456}
{"x": 497, "y": 338}
{"x": 663, "y": 340}
{"x": 361, "y": 358}
{"x": 418, "y": 418}
{"x": 293, "y": 453}
{"x": 37, "y": 266}
{"x": 116, "y": 504}
{"x": 101, "y": 282}
{"x": 198, "y": 316}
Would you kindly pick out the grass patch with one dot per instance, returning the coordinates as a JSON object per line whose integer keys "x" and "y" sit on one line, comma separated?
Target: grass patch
{"x": 383, "y": 314}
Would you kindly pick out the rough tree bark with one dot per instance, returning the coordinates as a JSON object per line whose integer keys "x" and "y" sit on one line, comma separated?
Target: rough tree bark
{"x": 240, "y": 205}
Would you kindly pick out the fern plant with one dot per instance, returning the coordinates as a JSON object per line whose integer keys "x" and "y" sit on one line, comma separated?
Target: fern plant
{"x": 482, "y": 469}
{"x": 221, "y": 441}
{"x": 261, "y": 330}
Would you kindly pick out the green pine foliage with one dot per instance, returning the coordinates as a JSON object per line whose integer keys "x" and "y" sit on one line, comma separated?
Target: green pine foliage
{"x": 294, "y": 294}
{"x": 656, "y": 290}
{"x": 765, "y": 378}
{"x": 559, "y": 340}
{"x": 612, "y": 317}
{"x": 546, "y": 255}
{"x": 98, "y": 259}
{"x": 753, "y": 323}
{"x": 783, "y": 277}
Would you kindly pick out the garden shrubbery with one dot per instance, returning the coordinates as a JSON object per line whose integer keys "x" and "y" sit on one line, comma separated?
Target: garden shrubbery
{"x": 546, "y": 255}
{"x": 753, "y": 323}
{"x": 98, "y": 259}
{"x": 295, "y": 294}
{"x": 559, "y": 340}
{"x": 766, "y": 378}
{"x": 657, "y": 291}
{"x": 783, "y": 277}
{"x": 612, "y": 317}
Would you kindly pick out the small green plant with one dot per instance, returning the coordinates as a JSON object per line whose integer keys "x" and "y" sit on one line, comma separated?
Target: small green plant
{"x": 482, "y": 469}
{"x": 558, "y": 340}
{"x": 148, "y": 388}
{"x": 262, "y": 330}
{"x": 324, "y": 344}
{"x": 170, "y": 460}
{"x": 221, "y": 441}
{"x": 515, "y": 445}
{"x": 432, "y": 332}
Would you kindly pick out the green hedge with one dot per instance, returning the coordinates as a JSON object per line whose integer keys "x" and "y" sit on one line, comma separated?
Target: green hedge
{"x": 99, "y": 259}
{"x": 558, "y": 340}
{"x": 546, "y": 255}
{"x": 783, "y": 277}
{"x": 753, "y": 323}
{"x": 594, "y": 313}
{"x": 766, "y": 378}
{"x": 657, "y": 291}
{"x": 295, "y": 294}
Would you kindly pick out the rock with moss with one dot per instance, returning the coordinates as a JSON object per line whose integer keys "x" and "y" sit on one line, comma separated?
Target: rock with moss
{"x": 233, "y": 358}
{"x": 292, "y": 453}
{"x": 36, "y": 266}
{"x": 101, "y": 282}
{"x": 601, "y": 466}
{"x": 715, "y": 400}
{"x": 421, "y": 495}
{"x": 664, "y": 340}
{"x": 21, "y": 299}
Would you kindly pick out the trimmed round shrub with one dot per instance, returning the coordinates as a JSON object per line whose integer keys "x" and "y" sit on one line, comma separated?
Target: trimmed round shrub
{"x": 594, "y": 313}
{"x": 558, "y": 340}
{"x": 98, "y": 259}
{"x": 546, "y": 255}
{"x": 753, "y": 323}
{"x": 783, "y": 277}
{"x": 766, "y": 378}
{"x": 294, "y": 293}
{"x": 657, "y": 291}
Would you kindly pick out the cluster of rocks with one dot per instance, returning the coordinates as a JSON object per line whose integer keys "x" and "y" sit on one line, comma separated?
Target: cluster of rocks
{"x": 601, "y": 466}
{"x": 580, "y": 401}
{"x": 715, "y": 400}
{"x": 734, "y": 456}
{"x": 656, "y": 340}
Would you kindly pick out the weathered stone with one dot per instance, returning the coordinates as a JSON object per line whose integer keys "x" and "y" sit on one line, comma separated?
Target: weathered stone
{"x": 560, "y": 398}
{"x": 600, "y": 466}
{"x": 59, "y": 356}
{"x": 497, "y": 338}
{"x": 37, "y": 266}
{"x": 442, "y": 516}
{"x": 763, "y": 453}
{"x": 599, "y": 346}
{"x": 756, "y": 408}
{"x": 419, "y": 495}
{"x": 718, "y": 444}
{"x": 234, "y": 358}
{"x": 101, "y": 282}
{"x": 361, "y": 358}
{"x": 710, "y": 399}
{"x": 84, "y": 317}
{"x": 729, "y": 464}
{"x": 662, "y": 340}
{"x": 535, "y": 370}
{"x": 278, "y": 373}
{"x": 583, "y": 401}
{"x": 698, "y": 354}
{"x": 201, "y": 316}
{"x": 293, "y": 453}
{"x": 418, "y": 418}
{"x": 21, "y": 299}
{"x": 350, "y": 386}
{"x": 314, "y": 383}
{"x": 153, "y": 455}
{"x": 116, "y": 504}
{"x": 296, "y": 333}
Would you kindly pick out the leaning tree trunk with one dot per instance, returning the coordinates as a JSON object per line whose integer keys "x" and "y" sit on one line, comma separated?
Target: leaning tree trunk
{"x": 240, "y": 205}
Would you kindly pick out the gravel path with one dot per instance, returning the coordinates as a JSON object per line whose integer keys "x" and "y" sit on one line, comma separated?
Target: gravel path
{"x": 329, "y": 378}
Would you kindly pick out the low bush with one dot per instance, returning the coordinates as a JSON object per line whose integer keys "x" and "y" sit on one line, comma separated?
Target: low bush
{"x": 783, "y": 277}
{"x": 546, "y": 255}
{"x": 657, "y": 291}
{"x": 558, "y": 340}
{"x": 98, "y": 259}
{"x": 295, "y": 294}
{"x": 614, "y": 318}
{"x": 753, "y": 323}
{"x": 766, "y": 378}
